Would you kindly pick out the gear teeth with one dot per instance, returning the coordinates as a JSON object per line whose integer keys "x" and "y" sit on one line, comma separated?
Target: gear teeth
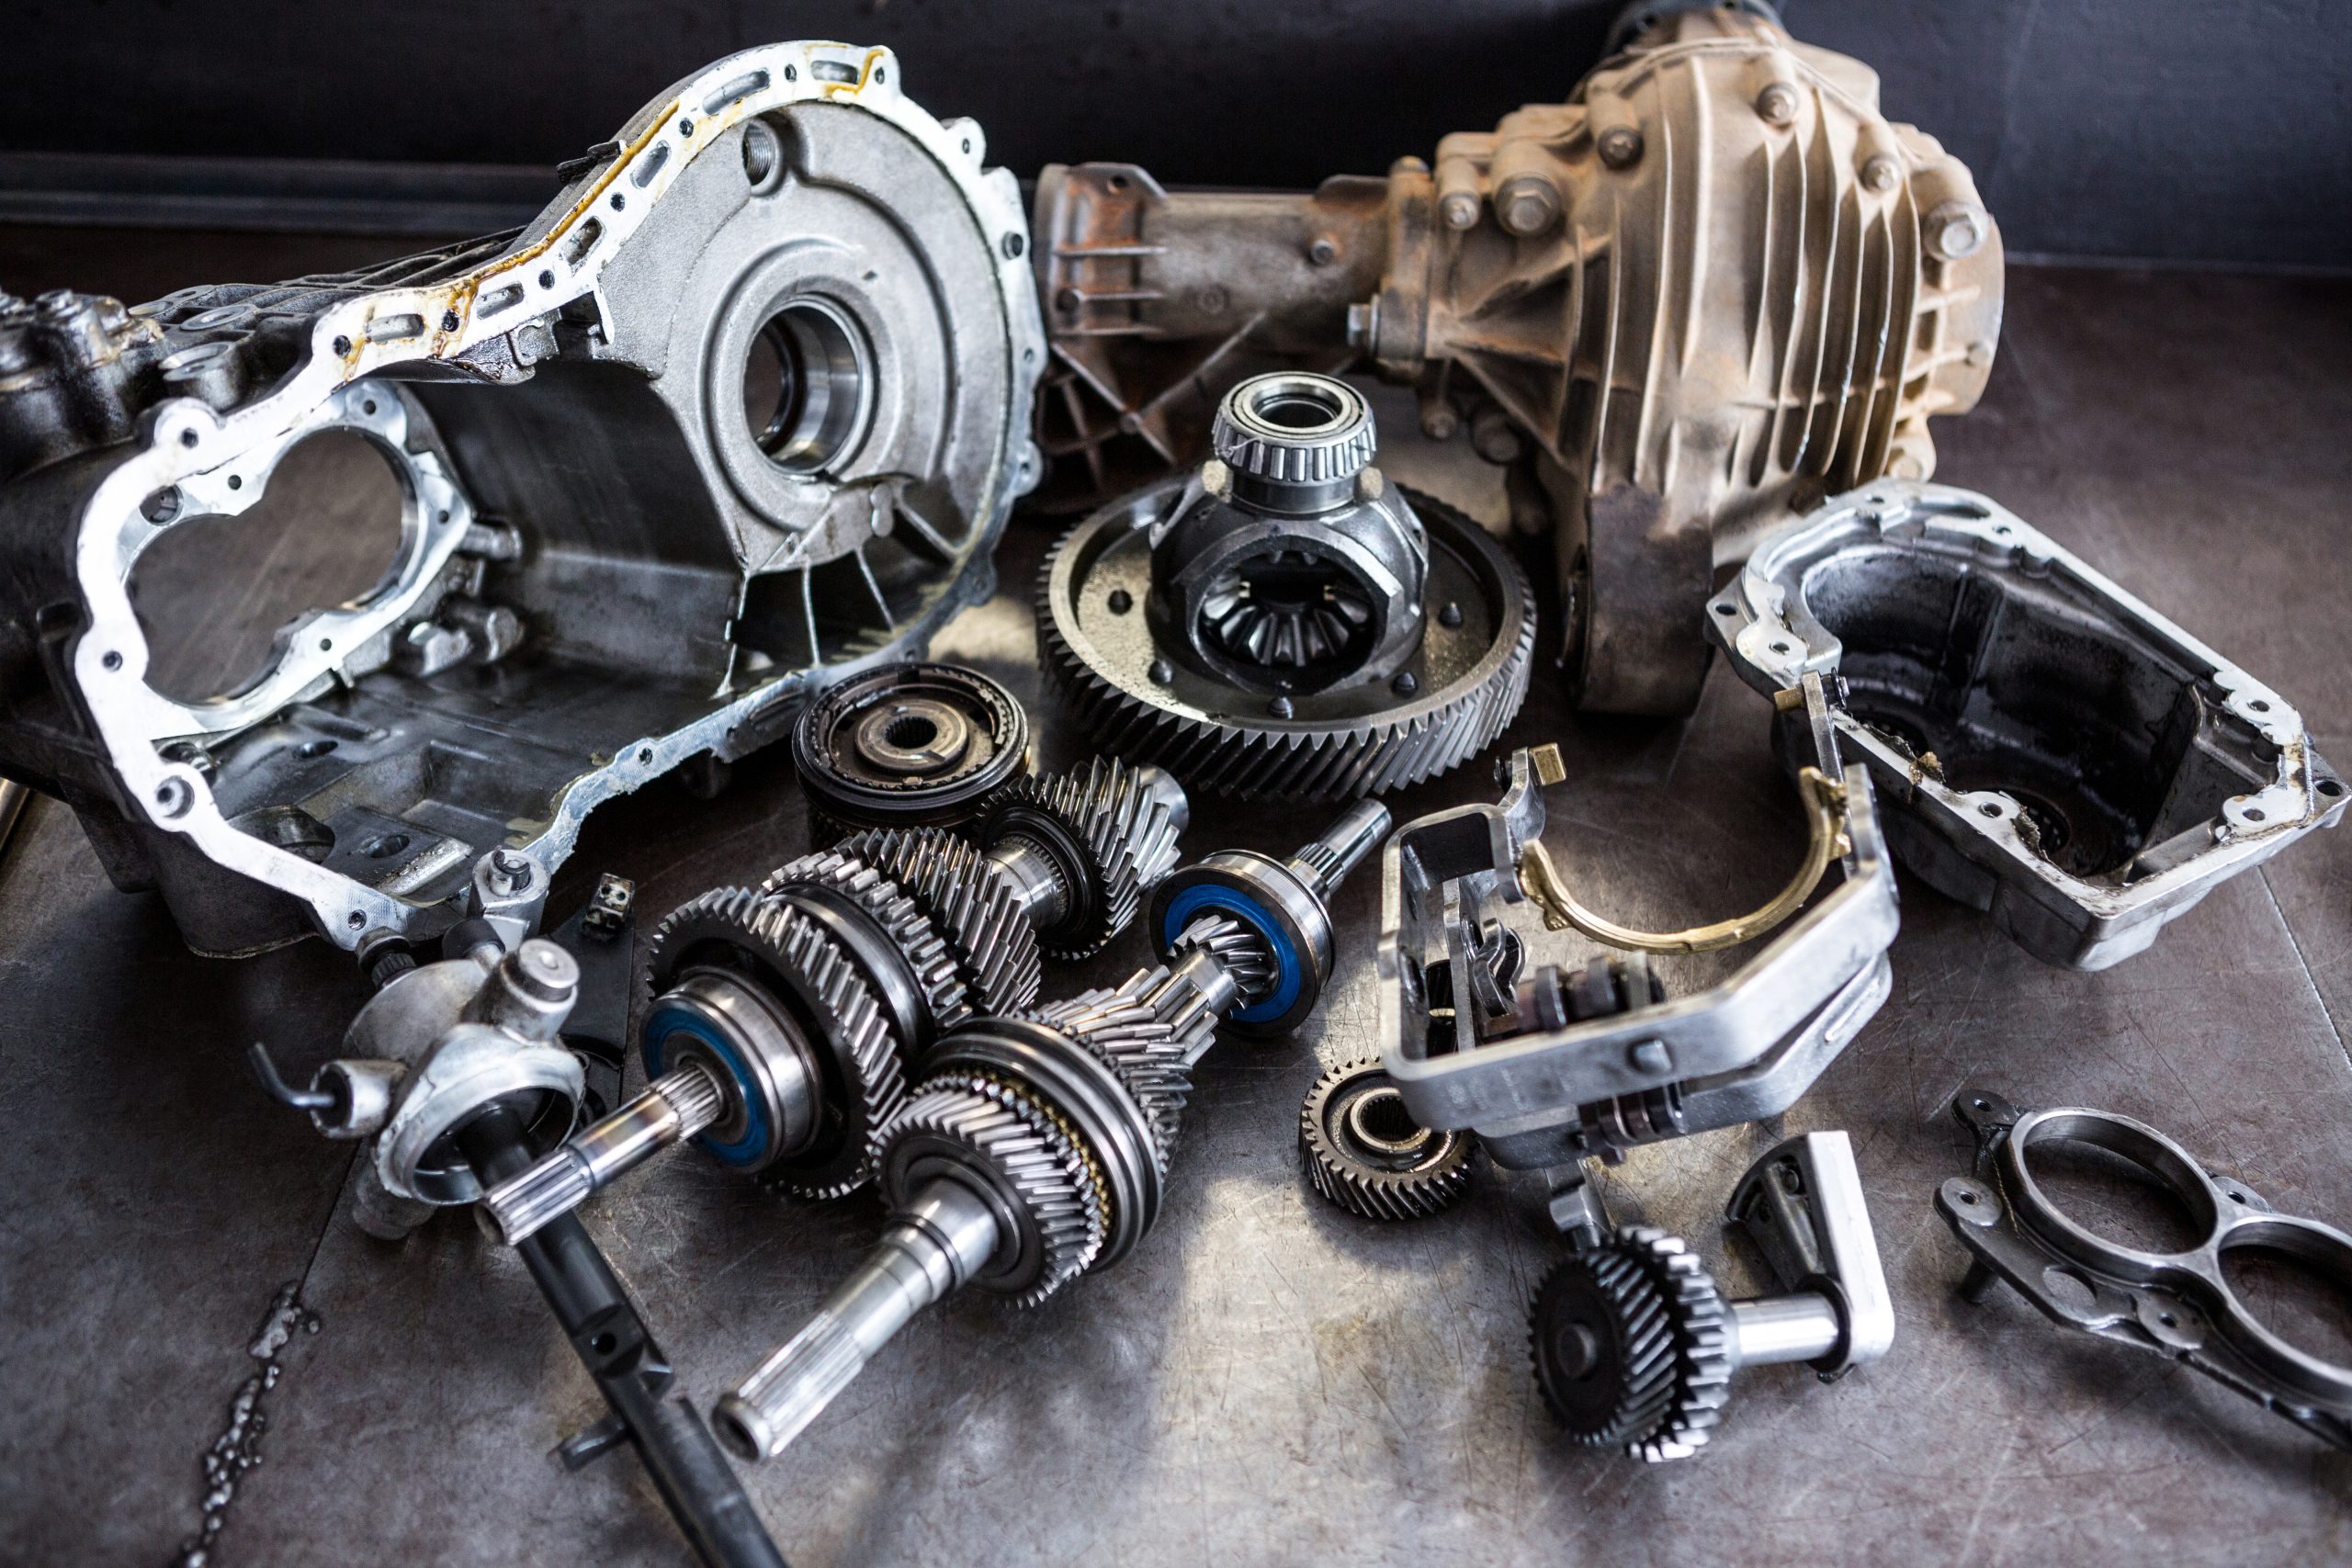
{"x": 1033, "y": 1158}
{"x": 1342, "y": 760}
{"x": 1238, "y": 950}
{"x": 1151, "y": 1056}
{"x": 1674, "y": 1339}
{"x": 866, "y": 1082}
{"x": 970, "y": 901}
{"x": 906, "y": 923}
{"x": 1122, "y": 820}
{"x": 1355, "y": 1179}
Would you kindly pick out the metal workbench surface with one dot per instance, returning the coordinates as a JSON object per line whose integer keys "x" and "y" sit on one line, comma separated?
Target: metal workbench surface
{"x": 1268, "y": 1380}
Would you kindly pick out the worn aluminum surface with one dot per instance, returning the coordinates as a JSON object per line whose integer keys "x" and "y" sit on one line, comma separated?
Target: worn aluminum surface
{"x": 610, "y": 563}
{"x": 1713, "y": 285}
{"x": 1546, "y": 1092}
{"x": 2051, "y": 748}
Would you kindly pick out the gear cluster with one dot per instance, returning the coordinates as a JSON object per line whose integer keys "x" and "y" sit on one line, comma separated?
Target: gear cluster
{"x": 1633, "y": 1346}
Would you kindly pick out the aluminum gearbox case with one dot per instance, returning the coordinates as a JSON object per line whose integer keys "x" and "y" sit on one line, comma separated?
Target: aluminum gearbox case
{"x": 2050, "y": 750}
{"x": 743, "y": 408}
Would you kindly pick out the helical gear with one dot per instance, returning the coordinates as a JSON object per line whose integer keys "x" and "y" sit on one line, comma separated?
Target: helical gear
{"x": 904, "y": 922}
{"x": 1238, "y": 949}
{"x": 800, "y": 963}
{"x": 1151, "y": 1056}
{"x": 1235, "y": 744}
{"x": 1113, "y": 817}
{"x": 1032, "y": 1159}
{"x": 971, "y": 903}
{"x": 1375, "y": 1169}
{"x": 1632, "y": 1346}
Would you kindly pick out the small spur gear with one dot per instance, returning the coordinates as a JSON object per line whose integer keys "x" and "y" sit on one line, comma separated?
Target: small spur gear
{"x": 1237, "y": 948}
{"x": 797, "y": 962}
{"x": 1363, "y": 1151}
{"x": 1633, "y": 1346}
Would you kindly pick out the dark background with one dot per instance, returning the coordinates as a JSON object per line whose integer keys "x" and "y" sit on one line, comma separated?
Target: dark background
{"x": 2179, "y": 130}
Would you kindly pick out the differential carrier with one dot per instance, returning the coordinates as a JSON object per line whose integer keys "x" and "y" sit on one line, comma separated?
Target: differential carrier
{"x": 1308, "y": 629}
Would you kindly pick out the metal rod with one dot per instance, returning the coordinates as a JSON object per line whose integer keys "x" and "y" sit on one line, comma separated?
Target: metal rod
{"x": 671, "y": 1108}
{"x": 614, "y": 1343}
{"x": 1342, "y": 847}
{"x": 1800, "y": 1328}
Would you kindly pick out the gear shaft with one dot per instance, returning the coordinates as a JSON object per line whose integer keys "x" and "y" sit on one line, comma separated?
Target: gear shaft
{"x": 1037, "y": 1146}
{"x": 784, "y": 1018}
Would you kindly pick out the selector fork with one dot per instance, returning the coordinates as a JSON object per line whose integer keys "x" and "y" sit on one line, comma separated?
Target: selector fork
{"x": 1036, "y": 1147}
{"x": 784, "y": 1018}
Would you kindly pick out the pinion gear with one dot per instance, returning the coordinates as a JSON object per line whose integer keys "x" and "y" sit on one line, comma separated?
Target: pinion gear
{"x": 1363, "y": 1150}
{"x": 1632, "y": 1346}
{"x": 1151, "y": 1057}
{"x": 1119, "y": 819}
{"x": 797, "y": 962}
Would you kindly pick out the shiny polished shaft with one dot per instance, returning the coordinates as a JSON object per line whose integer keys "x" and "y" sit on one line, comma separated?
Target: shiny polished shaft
{"x": 942, "y": 1237}
{"x": 1804, "y": 1327}
{"x": 672, "y": 1108}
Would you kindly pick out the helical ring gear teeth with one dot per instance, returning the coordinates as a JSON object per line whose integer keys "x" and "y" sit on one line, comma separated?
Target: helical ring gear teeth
{"x": 1144, "y": 1050}
{"x": 840, "y": 1017}
{"x": 906, "y": 922}
{"x": 971, "y": 902}
{"x": 1123, "y": 827}
{"x": 1034, "y": 1159}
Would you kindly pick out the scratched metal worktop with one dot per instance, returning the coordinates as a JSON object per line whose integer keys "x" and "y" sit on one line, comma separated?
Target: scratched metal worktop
{"x": 1267, "y": 1380}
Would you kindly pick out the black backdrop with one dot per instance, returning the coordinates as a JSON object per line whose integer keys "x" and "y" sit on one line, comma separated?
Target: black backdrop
{"x": 2214, "y": 131}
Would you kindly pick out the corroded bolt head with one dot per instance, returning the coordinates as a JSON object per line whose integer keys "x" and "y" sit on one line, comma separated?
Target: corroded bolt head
{"x": 1621, "y": 146}
{"x": 1954, "y": 230}
{"x": 1526, "y": 205}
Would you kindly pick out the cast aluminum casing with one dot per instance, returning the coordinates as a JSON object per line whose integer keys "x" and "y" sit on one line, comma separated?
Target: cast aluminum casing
{"x": 600, "y": 574}
{"x": 2018, "y": 709}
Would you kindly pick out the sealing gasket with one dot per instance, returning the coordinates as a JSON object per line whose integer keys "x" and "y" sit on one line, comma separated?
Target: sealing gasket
{"x": 2176, "y": 1304}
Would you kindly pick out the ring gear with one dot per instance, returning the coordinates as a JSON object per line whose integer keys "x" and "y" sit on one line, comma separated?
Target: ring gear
{"x": 905, "y": 922}
{"x": 1632, "y": 1346}
{"x": 1417, "y": 1173}
{"x": 911, "y": 745}
{"x": 1334, "y": 744}
{"x": 971, "y": 903}
{"x": 1112, "y": 818}
{"x": 797, "y": 962}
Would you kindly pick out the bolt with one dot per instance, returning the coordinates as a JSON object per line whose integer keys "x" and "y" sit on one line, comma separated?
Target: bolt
{"x": 1450, "y": 615}
{"x": 1406, "y": 684}
{"x": 510, "y": 871}
{"x": 1322, "y": 253}
{"x": 1162, "y": 671}
{"x": 1459, "y": 209}
{"x": 1954, "y": 230}
{"x": 1369, "y": 484}
{"x": 1621, "y": 146}
{"x": 1880, "y": 174}
{"x": 1650, "y": 1056}
{"x": 1280, "y": 707}
{"x": 1068, "y": 301}
{"x": 1526, "y": 205}
{"x": 1777, "y": 104}
{"x": 1440, "y": 424}
{"x": 1121, "y": 600}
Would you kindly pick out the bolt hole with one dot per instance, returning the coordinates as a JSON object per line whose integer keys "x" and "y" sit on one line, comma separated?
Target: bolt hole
{"x": 1981, "y": 1103}
{"x": 161, "y": 507}
{"x": 2258, "y": 705}
{"x": 645, "y": 756}
{"x": 603, "y": 1344}
{"x": 1780, "y": 646}
{"x": 355, "y": 921}
{"x": 2167, "y": 1320}
{"x": 1726, "y": 610}
{"x": 367, "y": 407}
{"x": 236, "y": 481}
{"x": 383, "y": 846}
{"x": 1988, "y": 809}
{"x": 1968, "y": 1197}
{"x": 686, "y": 128}
{"x": 2255, "y": 814}
{"x": 112, "y": 660}
{"x": 2330, "y": 788}
{"x": 547, "y": 280}
{"x": 314, "y": 748}
{"x": 189, "y": 437}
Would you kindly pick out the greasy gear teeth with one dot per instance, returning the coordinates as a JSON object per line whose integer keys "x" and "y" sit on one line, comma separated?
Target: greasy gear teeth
{"x": 1253, "y": 757}
{"x": 1376, "y": 1183}
{"x": 1011, "y": 1138}
{"x": 1151, "y": 1056}
{"x": 904, "y": 922}
{"x": 1120, "y": 823}
{"x": 1240, "y": 950}
{"x": 865, "y": 1080}
{"x": 1660, "y": 1390}
{"x": 971, "y": 902}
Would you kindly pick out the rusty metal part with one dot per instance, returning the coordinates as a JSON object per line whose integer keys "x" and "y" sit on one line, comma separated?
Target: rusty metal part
{"x": 1712, "y": 286}
{"x": 745, "y": 408}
